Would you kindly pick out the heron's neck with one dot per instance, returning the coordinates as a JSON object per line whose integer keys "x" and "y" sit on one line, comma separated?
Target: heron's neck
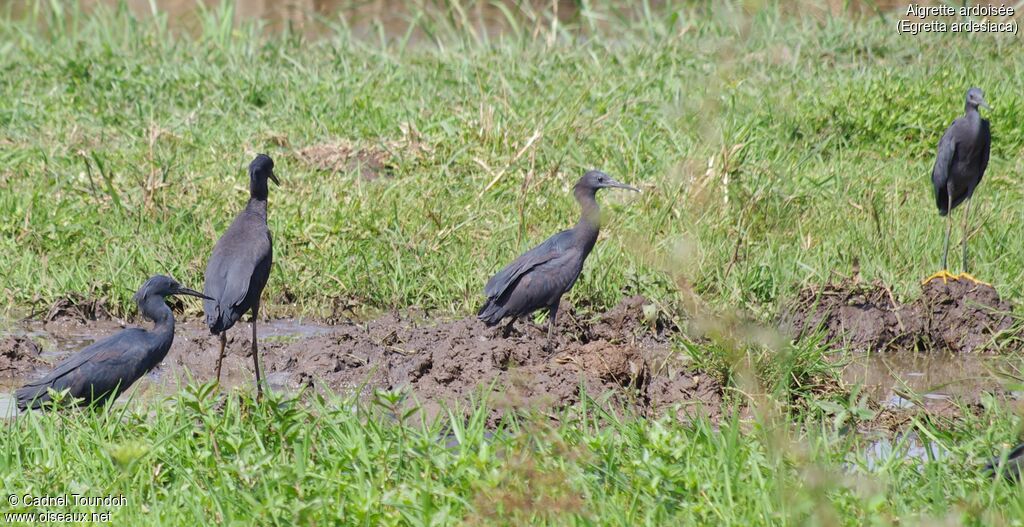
{"x": 155, "y": 309}
{"x": 971, "y": 111}
{"x": 590, "y": 213}
{"x": 257, "y": 206}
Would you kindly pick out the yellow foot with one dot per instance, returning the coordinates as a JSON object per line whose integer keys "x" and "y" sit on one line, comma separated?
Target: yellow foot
{"x": 967, "y": 276}
{"x": 943, "y": 274}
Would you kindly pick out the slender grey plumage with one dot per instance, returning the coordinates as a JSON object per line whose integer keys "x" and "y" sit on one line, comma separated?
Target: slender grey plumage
{"x": 240, "y": 265}
{"x": 1014, "y": 466}
{"x": 960, "y": 162}
{"x": 540, "y": 277}
{"x": 108, "y": 367}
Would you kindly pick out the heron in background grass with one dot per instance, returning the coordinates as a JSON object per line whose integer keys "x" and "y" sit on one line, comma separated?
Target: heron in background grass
{"x": 960, "y": 163}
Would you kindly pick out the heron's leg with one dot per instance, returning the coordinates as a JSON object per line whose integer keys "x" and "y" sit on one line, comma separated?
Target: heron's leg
{"x": 552, "y": 322}
{"x": 949, "y": 228}
{"x": 256, "y": 356}
{"x": 944, "y": 273}
{"x": 964, "y": 275}
{"x": 507, "y": 330}
{"x": 967, "y": 214}
{"x": 220, "y": 356}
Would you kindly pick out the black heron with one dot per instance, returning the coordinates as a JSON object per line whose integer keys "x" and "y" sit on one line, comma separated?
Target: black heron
{"x": 1013, "y": 469}
{"x": 960, "y": 163}
{"x": 539, "y": 278}
{"x": 108, "y": 367}
{"x": 240, "y": 265}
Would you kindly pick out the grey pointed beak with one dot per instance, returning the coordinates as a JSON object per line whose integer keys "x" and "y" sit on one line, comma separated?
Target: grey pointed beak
{"x": 274, "y": 178}
{"x": 192, "y": 292}
{"x": 611, "y": 183}
{"x": 984, "y": 104}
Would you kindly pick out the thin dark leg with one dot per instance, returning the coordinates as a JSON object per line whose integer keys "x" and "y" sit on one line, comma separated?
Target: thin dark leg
{"x": 949, "y": 227}
{"x": 507, "y": 330}
{"x": 552, "y": 322}
{"x": 967, "y": 214}
{"x": 256, "y": 357}
{"x": 220, "y": 356}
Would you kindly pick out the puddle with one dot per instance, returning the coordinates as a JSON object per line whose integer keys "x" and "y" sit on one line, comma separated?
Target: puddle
{"x": 899, "y": 449}
{"x": 904, "y": 380}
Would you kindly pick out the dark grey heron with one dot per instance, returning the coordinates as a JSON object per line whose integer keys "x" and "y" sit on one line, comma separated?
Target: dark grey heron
{"x": 1013, "y": 469}
{"x": 108, "y": 367}
{"x": 960, "y": 163}
{"x": 240, "y": 265}
{"x": 540, "y": 277}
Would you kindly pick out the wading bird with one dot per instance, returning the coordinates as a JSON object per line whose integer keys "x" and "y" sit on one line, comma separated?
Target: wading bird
{"x": 960, "y": 163}
{"x": 539, "y": 278}
{"x": 108, "y": 367}
{"x": 240, "y": 265}
{"x": 1014, "y": 466}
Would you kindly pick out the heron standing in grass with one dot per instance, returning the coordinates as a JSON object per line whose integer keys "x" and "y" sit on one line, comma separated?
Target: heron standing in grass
{"x": 108, "y": 367}
{"x": 960, "y": 163}
{"x": 540, "y": 277}
{"x": 240, "y": 265}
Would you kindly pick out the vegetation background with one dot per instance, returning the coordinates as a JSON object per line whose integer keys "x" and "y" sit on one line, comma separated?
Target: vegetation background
{"x": 778, "y": 145}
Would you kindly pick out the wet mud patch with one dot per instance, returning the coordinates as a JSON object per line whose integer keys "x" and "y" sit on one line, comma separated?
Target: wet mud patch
{"x": 958, "y": 316}
{"x": 623, "y": 356}
{"x": 77, "y": 309}
{"x": 18, "y": 355}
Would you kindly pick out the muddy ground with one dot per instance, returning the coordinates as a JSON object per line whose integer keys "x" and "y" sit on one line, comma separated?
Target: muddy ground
{"x": 622, "y": 355}
{"x": 958, "y": 316}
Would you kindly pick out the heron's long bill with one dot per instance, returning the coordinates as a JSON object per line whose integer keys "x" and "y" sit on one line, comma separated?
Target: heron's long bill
{"x": 192, "y": 292}
{"x": 615, "y": 184}
{"x": 274, "y": 178}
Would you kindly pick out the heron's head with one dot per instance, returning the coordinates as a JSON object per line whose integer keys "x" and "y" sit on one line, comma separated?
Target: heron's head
{"x": 976, "y": 98}
{"x": 163, "y": 286}
{"x": 595, "y": 179}
{"x": 260, "y": 170}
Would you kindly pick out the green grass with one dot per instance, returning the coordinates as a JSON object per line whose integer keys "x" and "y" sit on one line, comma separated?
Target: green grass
{"x": 198, "y": 458}
{"x": 125, "y": 147}
{"x": 123, "y": 144}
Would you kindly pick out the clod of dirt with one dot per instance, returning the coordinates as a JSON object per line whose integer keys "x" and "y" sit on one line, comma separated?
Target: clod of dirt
{"x": 18, "y": 355}
{"x": 342, "y": 157}
{"x": 621, "y": 353}
{"x": 78, "y": 309}
{"x": 958, "y": 316}
{"x": 372, "y": 161}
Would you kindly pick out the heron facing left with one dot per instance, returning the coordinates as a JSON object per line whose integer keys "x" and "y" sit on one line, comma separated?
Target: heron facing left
{"x": 110, "y": 366}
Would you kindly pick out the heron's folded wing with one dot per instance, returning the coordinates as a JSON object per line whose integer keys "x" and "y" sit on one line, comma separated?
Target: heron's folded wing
{"x": 540, "y": 254}
{"x": 943, "y": 158}
{"x": 231, "y": 268}
{"x": 107, "y": 356}
{"x": 986, "y": 145}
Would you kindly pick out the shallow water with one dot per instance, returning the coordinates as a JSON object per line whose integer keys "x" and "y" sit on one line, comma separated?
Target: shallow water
{"x": 905, "y": 380}
{"x": 901, "y": 448}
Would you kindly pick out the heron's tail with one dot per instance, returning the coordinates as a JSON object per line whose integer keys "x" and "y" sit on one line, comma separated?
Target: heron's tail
{"x": 215, "y": 319}
{"x": 491, "y": 313}
{"x": 31, "y": 396}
